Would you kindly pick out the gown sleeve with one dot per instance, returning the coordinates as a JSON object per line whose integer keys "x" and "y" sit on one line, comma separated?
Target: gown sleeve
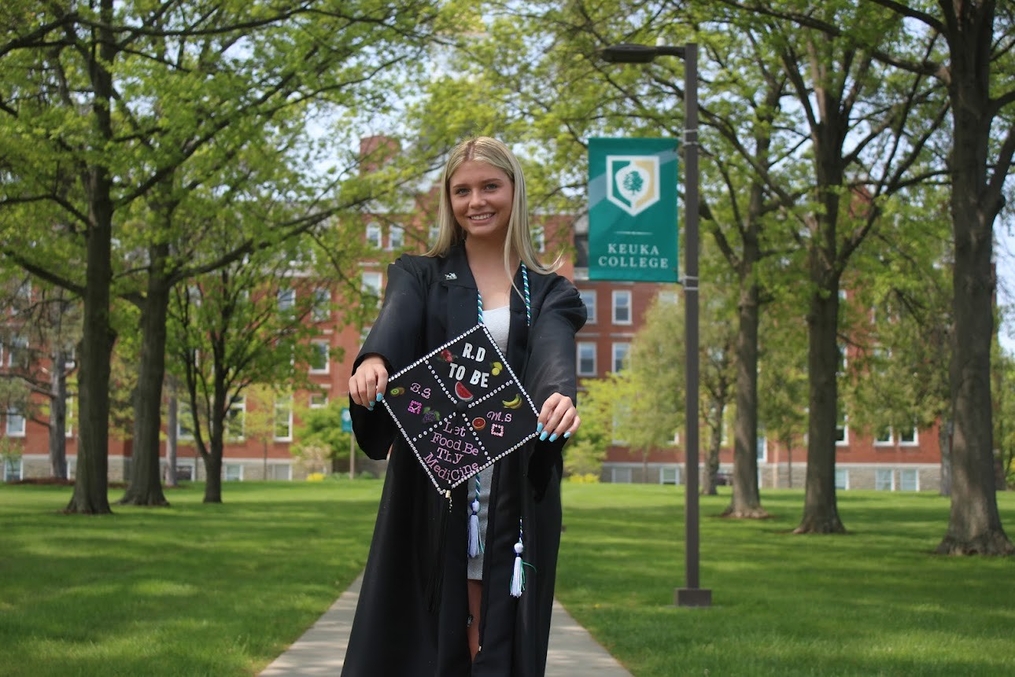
{"x": 551, "y": 368}
{"x": 397, "y": 337}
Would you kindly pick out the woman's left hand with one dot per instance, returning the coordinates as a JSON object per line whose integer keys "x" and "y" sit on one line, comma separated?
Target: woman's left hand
{"x": 558, "y": 418}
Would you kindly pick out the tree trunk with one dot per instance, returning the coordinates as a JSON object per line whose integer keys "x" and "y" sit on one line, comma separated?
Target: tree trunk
{"x": 711, "y": 474}
{"x": 974, "y": 524}
{"x": 58, "y": 416}
{"x": 944, "y": 437}
{"x": 145, "y": 487}
{"x": 91, "y": 484}
{"x": 172, "y": 427}
{"x": 821, "y": 514}
{"x": 746, "y": 501}
{"x": 213, "y": 466}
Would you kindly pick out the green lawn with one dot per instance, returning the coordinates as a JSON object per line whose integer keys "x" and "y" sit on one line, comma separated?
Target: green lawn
{"x": 872, "y": 602}
{"x": 220, "y": 590}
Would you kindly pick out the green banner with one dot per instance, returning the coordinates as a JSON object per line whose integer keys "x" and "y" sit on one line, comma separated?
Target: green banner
{"x": 633, "y": 210}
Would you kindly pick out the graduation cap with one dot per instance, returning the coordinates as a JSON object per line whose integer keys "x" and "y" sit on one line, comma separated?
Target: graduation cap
{"x": 461, "y": 408}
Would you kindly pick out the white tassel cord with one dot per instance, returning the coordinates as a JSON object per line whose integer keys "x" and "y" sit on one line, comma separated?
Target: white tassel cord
{"x": 518, "y": 575}
{"x": 474, "y": 530}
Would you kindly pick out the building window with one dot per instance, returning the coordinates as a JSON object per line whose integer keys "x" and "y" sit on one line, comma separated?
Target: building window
{"x": 622, "y": 307}
{"x": 318, "y": 400}
{"x": 284, "y": 419}
{"x": 371, "y": 287}
{"x": 69, "y": 417}
{"x": 322, "y": 305}
{"x": 396, "y": 237}
{"x": 17, "y": 353}
{"x": 908, "y": 438}
{"x": 620, "y": 353}
{"x": 15, "y": 424}
{"x": 589, "y": 299}
{"x": 186, "y": 471}
{"x": 233, "y": 472}
{"x": 669, "y": 474}
{"x": 762, "y": 449}
{"x": 620, "y": 475}
{"x": 884, "y": 480}
{"x": 586, "y": 359}
{"x": 668, "y": 298}
{"x": 842, "y": 431}
{"x": 280, "y": 471}
{"x": 319, "y": 362}
{"x": 539, "y": 238}
{"x": 884, "y": 437}
{"x": 374, "y": 235}
{"x": 286, "y": 299}
{"x": 841, "y": 479}
{"x": 236, "y": 419}
{"x": 13, "y": 469}
{"x": 909, "y": 479}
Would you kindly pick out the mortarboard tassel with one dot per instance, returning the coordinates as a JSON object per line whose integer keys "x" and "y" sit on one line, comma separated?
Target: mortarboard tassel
{"x": 474, "y": 522}
{"x": 518, "y": 575}
{"x": 434, "y": 585}
{"x": 474, "y": 530}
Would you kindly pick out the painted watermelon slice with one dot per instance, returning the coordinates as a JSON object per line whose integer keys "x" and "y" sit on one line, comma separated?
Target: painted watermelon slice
{"x": 462, "y": 392}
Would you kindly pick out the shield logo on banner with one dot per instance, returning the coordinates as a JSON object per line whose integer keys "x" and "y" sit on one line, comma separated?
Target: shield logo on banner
{"x": 461, "y": 408}
{"x": 632, "y": 181}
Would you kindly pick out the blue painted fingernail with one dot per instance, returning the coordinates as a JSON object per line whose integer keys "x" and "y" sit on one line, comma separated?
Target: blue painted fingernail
{"x": 380, "y": 396}
{"x": 370, "y": 407}
{"x": 567, "y": 434}
{"x": 539, "y": 428}
{"x": 542, "y": 436}
{"x": 553, "y": 437}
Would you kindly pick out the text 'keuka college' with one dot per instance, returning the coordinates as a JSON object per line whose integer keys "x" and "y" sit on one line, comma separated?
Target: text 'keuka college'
{"x": 620, "y": 255}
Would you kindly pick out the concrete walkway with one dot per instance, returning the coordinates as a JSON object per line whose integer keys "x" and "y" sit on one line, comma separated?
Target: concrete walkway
{"x": 321, "y": 650}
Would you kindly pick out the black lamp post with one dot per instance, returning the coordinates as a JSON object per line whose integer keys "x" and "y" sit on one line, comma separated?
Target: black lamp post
{"x": 692, "y": 595}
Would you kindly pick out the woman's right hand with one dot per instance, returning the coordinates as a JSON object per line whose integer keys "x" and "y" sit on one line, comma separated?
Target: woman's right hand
{"x": 368, "y": 383}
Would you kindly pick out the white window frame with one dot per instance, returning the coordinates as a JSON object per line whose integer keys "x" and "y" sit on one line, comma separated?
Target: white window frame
{"x": 589, "y": 299}
{"x": 373, "y": 235}
{"x": 321, "y": 349}
{"x": 539, "y": 238}
{"x": 915, "y": 441}
{"x": 283, "y": 412}
{"x": 617, "y": 349}
{"x": 190, "y": 464}
{"x": 762, "y": 449}
{"x": 578, "y": 348}
{"x": 288, "y": 472}
{"x": 913, "y": 483}
{"x": 396, "y": 237}
{"x": 13, "y": 469}
{"x": 844, "y": 441}
{"x": 372, "y": 282}
{"x": 884, "y": 437}
{"x": 318, "y": 400}
{"x": 20, "y": 423}
{"x": 232, "y": 472}
{"x": 237, "y": 412}
{"x": 621, "y": 475}
{"x": 669, "y": 474}
{"x": 844, "y": 483}
{"x": 286, "y": 299}
{"x": 322, "y": 305}
{"x": 879, "y": 479}
{"x": 619, "y": 305}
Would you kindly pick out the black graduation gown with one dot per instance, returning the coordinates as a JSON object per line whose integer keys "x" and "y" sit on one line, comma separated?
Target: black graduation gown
{"x": 397, "y": 630}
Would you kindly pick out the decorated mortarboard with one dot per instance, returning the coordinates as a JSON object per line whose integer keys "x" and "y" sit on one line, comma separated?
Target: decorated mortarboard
{"x": 461, "y": 408}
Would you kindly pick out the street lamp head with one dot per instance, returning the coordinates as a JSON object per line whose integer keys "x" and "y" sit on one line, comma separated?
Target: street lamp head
{"x": 629, "y": 52}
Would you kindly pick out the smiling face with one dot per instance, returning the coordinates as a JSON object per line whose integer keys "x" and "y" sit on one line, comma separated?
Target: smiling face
{"x": 481, "y": 197}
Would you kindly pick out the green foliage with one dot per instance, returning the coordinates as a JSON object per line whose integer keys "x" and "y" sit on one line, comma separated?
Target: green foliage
{"x": 320, "y": 433}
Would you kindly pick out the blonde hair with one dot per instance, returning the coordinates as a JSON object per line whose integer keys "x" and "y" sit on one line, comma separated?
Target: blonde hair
{"x": 518, "y": 239}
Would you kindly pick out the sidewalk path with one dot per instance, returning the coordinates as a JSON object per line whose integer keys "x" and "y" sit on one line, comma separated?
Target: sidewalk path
{"x": 321, "y": 650}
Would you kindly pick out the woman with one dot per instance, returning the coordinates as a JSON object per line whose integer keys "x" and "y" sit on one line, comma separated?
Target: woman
{"x": 430, "y": 605}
